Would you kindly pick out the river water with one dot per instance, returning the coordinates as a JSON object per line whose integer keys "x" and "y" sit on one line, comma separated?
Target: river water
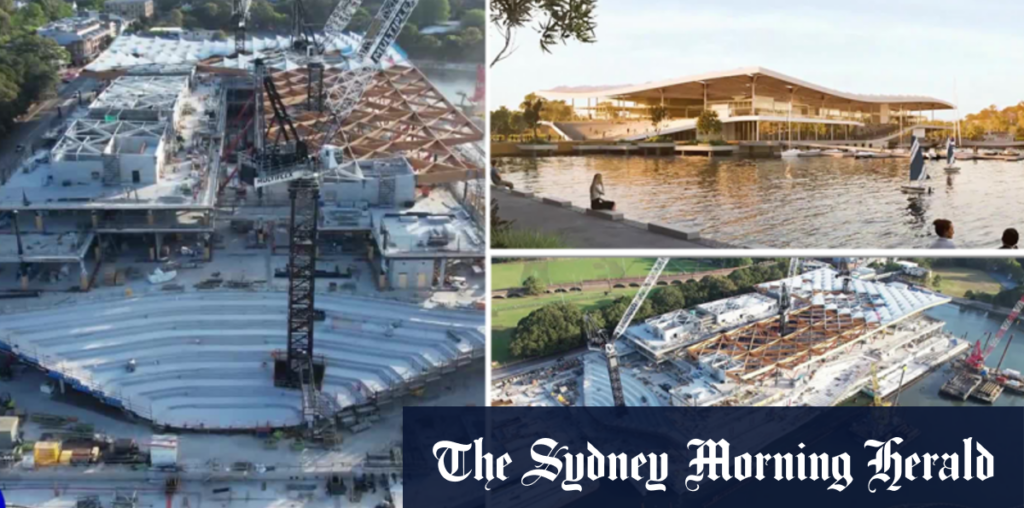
{"x": 925, "y": 391}
{"x": 817, "y": 203}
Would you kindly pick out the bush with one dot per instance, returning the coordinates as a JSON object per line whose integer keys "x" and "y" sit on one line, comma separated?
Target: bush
{"x": 534, "y": 286}
{"x": 550, "y": 329}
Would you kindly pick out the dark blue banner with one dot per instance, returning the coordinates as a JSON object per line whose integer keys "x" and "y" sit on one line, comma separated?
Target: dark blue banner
{"x": 722, "y": 457}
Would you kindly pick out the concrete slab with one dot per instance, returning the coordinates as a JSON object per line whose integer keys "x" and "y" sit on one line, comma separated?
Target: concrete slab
{"x": 564, "y": 203}
{"x": 580, "y": 230}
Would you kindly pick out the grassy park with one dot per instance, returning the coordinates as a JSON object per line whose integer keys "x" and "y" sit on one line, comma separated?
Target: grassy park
{"x": 564, "y": 271}
{"x": 956, "y": 281}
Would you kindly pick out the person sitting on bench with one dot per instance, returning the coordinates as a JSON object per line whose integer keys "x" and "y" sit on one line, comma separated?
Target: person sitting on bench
{"x": 596, "y": 191}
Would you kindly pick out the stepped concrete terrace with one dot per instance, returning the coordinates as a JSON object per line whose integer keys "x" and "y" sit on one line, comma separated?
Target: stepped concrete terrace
{"x": 205, "y": 360}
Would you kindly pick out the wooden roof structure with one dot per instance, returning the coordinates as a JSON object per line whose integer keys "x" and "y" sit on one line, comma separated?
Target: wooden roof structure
{"x": 759, "y": 349}
{"x": 400, "y": 113}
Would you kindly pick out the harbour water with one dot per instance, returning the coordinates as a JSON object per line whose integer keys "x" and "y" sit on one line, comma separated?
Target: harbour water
{"x": 925, "y": 391}
{"x": 820, "y": 202}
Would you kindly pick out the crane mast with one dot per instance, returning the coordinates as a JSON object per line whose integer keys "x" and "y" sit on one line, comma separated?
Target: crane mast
{"x": 291, "y": 162}
{"x": 598, "y": 338}
{"x": 239, "y": 17}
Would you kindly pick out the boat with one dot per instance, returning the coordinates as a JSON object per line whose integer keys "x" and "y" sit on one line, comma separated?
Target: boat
{"x": 951, "y": 157}
{"x": 792, "y": 152}
{"x": 1010, "y": 152}
{"x": 871, "y": 155}
{"x": 834, "y": 152}
{"x": 990, "y": 152}
{"x": 918, "y": 173}
{"x": 932, "y": 155}
{"x": 810, "y": 153}
{"x": 964, "y": 154}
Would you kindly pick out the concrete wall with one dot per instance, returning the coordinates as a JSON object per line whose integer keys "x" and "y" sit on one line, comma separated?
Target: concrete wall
{"x": 418, "y": 273}
{"x": 145, "y": 164}
{"x": 76, "y": 171}
{"x": 368, "y": 191}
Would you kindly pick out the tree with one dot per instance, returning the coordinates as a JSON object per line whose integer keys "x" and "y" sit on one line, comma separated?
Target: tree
{"x": 501, "y": 122}
{"x": 476, "y": 18}
{"x": 936, "y": 280}
{"x": 555, "y": 20}
{"x": 431, "y": 12}
{"x": 409, "y": 37}
{"x": 668, "y": 299}
{"x": 472, "y": 42}
{"x": 175, "y": 18}
{"x": 553, "y": 328}
{"x": 613, "y": 313}
{"x": 429, "y": 42}
{"x": 534, "y": 286}
{"x": 658, "y": 114}
{"x": 531, "y": 115}
{"x": 708, "y": 123}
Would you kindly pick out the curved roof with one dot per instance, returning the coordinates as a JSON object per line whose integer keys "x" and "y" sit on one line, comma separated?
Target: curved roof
{"x": 734, "y": 83}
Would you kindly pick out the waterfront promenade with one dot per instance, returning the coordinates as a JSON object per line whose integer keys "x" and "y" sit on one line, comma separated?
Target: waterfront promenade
{"x": 578, "y": 229}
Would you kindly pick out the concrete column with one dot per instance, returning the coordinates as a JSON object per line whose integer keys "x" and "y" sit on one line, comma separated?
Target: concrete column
{"x": 444, "y": 267}
{"x": 149, "y": 217}
{"x": 883, "y": 113}
{"x": 159, "y": 244}
{"x": 39, "y": 221}
{"x": 95, "y": 219}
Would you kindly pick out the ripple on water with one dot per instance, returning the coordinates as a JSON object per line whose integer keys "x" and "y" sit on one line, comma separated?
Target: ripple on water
{"x": 801, "y": 203}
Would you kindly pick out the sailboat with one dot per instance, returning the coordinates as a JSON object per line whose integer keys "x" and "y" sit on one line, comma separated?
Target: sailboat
{"x": 917, "y": 171}
{"x": 951, "y": 157}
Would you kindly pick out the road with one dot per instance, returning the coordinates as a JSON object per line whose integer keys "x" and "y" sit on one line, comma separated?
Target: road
{"x": 525, "y": 366}
{"x": 36, "y": 122}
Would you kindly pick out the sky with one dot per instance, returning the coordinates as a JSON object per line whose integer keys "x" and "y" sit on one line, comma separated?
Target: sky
{"x": 967, "y": 52}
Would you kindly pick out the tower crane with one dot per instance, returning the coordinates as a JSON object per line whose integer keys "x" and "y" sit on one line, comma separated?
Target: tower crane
{"x": 976, "y": 360}
{"x": 598, "y": 339}
{"x": 291, "y": 162}
{"x": 239, "y": 18}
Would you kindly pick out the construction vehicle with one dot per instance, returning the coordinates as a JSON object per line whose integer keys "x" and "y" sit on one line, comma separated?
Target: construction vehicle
{"x": 598, "y": 340}
{"x": 976, "y": 360}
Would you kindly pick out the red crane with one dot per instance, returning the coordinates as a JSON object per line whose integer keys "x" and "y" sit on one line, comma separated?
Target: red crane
{"x": 977, "y": 359}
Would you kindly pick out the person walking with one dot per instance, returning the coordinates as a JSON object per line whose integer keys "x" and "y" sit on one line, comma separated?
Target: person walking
{"x": 597, "y": 201}
{"x": 943, "y": 228}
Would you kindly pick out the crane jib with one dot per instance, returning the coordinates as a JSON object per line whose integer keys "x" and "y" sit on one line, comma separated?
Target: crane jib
{"x": 383, "y": 15}
{"x": 393, "y": 29}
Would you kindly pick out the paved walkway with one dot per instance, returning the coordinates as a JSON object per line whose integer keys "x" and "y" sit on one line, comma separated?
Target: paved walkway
{"x": 582, "y": 231}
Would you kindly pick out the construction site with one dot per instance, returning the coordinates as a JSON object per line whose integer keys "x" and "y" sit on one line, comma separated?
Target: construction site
{"x": 816, "y": 338}
{"x": 169, "y": 255}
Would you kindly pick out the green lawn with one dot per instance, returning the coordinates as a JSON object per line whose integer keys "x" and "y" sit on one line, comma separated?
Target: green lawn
{"x": 506, "y": 314}
{"x": 957, "y": 281}
{"x": 566, "y": 270}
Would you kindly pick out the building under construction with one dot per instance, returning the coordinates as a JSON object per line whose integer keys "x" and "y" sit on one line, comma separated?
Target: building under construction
{"x": 150, "y": 192}
{"x": 747, "y": 350}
